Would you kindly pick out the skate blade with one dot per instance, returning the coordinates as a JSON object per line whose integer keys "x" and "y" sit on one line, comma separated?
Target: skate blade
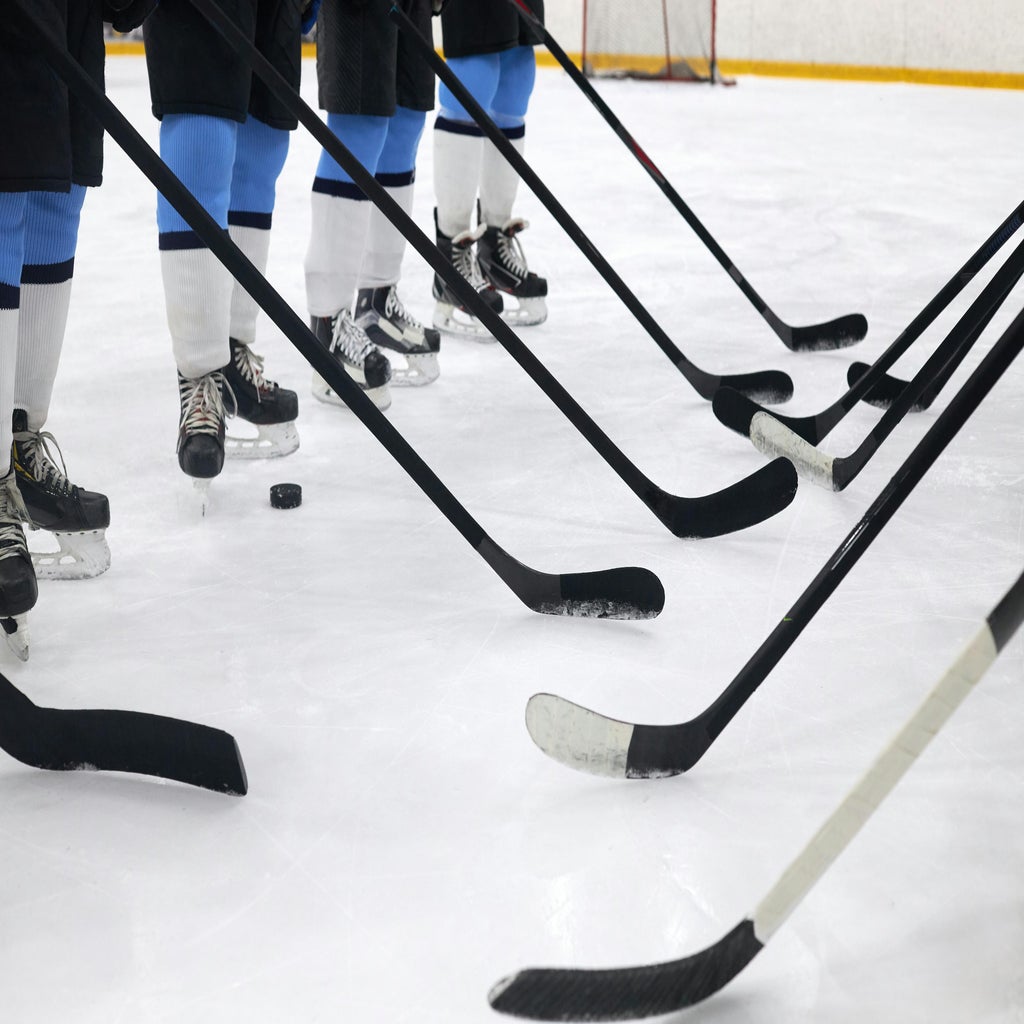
{"x": 451, "y": 320}
{"x": 528, "y": 313}
{"x": 271, "y": 442}
{"x": 420, "y": 369}
{"x": 81, "y": 556}
{"x": 322, "y": 392}
{"x": 199, "y": 498}
{"x": 16, "y": 634}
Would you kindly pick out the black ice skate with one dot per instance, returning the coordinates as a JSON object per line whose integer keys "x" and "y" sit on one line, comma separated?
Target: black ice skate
{"x": 350, "y": 346}
{"x": 503, "y": 264}
{"x": 387, "y": 323}
{"x": 18, "y": 590}
{"x": 77, "y": 518}
{"x": 271, "y": 409}
{"x": 449, "y": 313}
{"x": 201, "y": 427}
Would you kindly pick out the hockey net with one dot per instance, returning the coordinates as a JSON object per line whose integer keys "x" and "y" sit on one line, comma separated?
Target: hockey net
{"x": 662, "y": 39}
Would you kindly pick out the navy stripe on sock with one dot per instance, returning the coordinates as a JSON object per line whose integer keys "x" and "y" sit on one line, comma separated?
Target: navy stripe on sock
{"x": 514, "y": 133}
{"x": 10, "y": 296}
{"x": 48, "y": 273}
{"x": 247, "y": 219}
{"x": 396, "y": 179}
{"x": 168, "y": 240}
{"x": 341, "y": 189}
{"x": 443, "y": 124}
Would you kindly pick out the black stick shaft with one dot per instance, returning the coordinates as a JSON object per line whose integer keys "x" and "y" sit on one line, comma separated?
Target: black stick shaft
{"x": 645, "y": 161}
{"x": 882, "y": 509}
{"x": 704, "y": 384}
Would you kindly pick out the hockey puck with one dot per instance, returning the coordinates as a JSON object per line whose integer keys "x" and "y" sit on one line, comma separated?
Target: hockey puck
{"x": 286, "y": 496}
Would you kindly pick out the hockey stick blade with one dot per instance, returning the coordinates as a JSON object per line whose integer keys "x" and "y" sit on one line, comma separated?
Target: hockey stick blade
{"x": 626, "y": 993}
{"x": 624, "y": 593}
{"x": 629, "y": 993}
{"x": 745, "y": 503}
{"x": 842, "y": 332}
{"x": 598, "y": 745}
{"x": 885, "y": 390}
{"x": 772, "y": 387}
{"x": 118, "y": 741}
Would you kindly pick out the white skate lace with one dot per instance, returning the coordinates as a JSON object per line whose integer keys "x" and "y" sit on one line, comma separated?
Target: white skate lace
{"x": 395, "y": 311}
{"x": 510, "y": 250}
{"x": 350, "y": 339}
{"x": 12, "y": 514}
{"x": 250, "y": 366}
{"x": 33, "y": 447}
{"x": 202, "y": 405}
{"x": 464, "y": 258}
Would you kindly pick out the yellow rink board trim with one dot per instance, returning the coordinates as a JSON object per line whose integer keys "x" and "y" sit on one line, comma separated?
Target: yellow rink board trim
{"x": 776, "y": 69}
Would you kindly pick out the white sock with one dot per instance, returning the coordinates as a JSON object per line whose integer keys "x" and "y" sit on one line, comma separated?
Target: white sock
{"x": 335, "y": 253}
{"x": 197, "y": 291}
{"x": 457, "y": 161}
{"x": 385, "y": 244}
{"x": 499, "y": 183}
{"x": 255, "y": 243}
{"x": 8, "y": 363}
{"x": 41, "y": 325}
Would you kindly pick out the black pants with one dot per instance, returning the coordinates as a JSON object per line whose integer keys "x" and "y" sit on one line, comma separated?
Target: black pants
{"x": 470, "y": 27}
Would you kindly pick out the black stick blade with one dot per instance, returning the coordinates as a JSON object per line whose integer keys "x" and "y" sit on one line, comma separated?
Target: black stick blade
{"x": 745, "y": 503}
{"x": 626, "y": 993}
{"x": 770, "y": 387}
{"x": 842, "y": 332}
{"x": 884, "y": 392}
{"x": 119, "y": 741}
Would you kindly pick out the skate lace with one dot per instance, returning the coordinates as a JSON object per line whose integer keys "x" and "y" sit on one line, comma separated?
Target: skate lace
{"x": 34, "y": 456}
{"x": 396, "y": 311}
{"x": 464, "y": 261}
{"x": 351, "y": 339}
{"x": 12, "y": 514}
{"x": 250, "y": 368}
{"x": 510, "y": 250}
{"x": 202, "y": 404}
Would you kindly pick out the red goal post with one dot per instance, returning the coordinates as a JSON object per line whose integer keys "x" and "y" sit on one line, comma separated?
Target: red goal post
{"x": 670, "y": 40}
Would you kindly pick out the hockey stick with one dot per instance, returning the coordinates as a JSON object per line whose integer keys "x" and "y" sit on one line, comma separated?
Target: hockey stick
{"x": 590, "y": 742}
{"x": 770, "y": 385}
{"x": 736, "y": 411}
{"x": 772, "y": 438}
{"x": 118, "y": 741}
{"x": 745, "y": 503}
{"x": 611, "y": 593}
{"x": 839, "y": 333}
{"x": 631, "y": 992}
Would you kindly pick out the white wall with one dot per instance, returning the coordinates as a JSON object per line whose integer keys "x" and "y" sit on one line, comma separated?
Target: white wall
{"x": 953, "y": 35}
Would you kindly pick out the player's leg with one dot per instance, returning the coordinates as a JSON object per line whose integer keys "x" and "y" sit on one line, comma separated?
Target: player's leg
{"x": 379, "y": 310}
{"x": 499, "y": 250}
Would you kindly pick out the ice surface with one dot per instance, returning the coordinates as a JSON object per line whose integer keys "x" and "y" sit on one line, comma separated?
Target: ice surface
{"x": 403, "y": 844}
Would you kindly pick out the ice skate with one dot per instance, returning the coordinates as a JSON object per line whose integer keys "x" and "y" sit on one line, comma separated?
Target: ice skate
{"x": 449, "y": 313}
{"x": 350, "y": 346}
{"x": 387, "y": 323}
{"x": 18, "y": 590}
{"x": 503, "y": 264}
{"x": 77, "y": 518}
{"x": 201, "y": 431}
{"x": 271, "y": 409}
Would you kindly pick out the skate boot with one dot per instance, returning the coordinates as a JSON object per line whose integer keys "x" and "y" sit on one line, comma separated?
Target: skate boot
{"x": 387, "y": 323}
{"x": 449, "y": 313}
{"x": 503, "y": 264}
{"x": 201, "y": 428}
{"x": 77, "y": 518}
{"x": 18, "y": 590}
{"x": 350, "y": 346}
{"x": 271, "y": 409}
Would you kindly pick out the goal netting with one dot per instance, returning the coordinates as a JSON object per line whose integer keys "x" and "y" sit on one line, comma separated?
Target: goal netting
{"x": 664, "y": 39}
